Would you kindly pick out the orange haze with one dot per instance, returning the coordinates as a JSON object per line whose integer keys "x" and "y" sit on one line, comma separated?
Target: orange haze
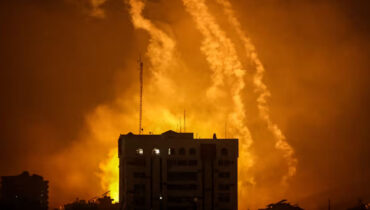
{"x": 288, "y": 78}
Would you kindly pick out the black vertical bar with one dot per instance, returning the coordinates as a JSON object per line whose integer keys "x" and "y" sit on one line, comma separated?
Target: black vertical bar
{"x": 151, "y": 182}
{"x": 213, "y": 189}
{"x": 203, "y": 192}
{"x": 161, "y": 183}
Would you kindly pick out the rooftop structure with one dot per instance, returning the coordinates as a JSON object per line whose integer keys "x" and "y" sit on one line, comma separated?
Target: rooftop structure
{"x": 175, "y": 171}
{"x": 102, "y": 203}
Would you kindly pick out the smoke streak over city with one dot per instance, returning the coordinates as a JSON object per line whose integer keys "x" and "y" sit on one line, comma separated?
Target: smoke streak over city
{"x": 262, "y": 89}
{"x": 289, "y": 79}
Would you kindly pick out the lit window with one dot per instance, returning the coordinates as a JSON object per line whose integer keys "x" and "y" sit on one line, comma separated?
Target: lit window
{"x": 171, "y": 151}
{"x": 140, "y": 151}
{"x": 156, "y": 151}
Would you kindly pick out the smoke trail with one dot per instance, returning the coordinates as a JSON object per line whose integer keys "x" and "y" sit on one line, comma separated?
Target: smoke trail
{"x": 262, "y": 90}
{"x": 161, "y": 46}
{"x": 227, "y": 72}
{"x": 160, "y": 53}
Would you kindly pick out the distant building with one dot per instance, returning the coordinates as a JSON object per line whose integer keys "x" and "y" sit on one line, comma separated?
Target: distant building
{"x": 174, "y": 171}
{"x": 361, "y": 206}
{"x": 282, "y": 205}
{"x": 24, "y": 192}
{"x": 103, "y": 203}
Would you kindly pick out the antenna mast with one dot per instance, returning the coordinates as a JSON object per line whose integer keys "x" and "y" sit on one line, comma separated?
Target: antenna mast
{"x": 141, "y": 95}
{"x": 184, "y": 119}
{"x": 225, "y": 129}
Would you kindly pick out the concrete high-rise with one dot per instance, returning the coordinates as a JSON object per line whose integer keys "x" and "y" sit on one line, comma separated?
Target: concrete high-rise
{"x": 175, "y": 171}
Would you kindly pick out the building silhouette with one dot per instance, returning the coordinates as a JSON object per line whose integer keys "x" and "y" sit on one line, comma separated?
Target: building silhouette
{"x": 24, "y": 192}
{"x": 175, "y": 171}
{"x": 103, "y": 203}
{"x": 282, "y": 205}
{"x": 361, "y": 206}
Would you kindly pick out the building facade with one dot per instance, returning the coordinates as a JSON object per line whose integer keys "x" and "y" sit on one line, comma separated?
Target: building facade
{"x": 174, "y": 171}
{"x": 24, "y": 192}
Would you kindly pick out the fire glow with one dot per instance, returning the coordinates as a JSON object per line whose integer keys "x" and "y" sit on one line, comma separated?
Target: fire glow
{"x": 220, "y": 100}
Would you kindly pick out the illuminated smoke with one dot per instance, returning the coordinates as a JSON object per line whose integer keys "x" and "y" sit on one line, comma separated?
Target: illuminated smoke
{"x": 262, "y": 90}
{"x": 96, "y": 10}
{"x": 160, "y": 53}
{"x": 228, "y": 74}
{"x": 110, "y": 178}
{"x": 161, "y": 46}
{"x": 224, "y": 96}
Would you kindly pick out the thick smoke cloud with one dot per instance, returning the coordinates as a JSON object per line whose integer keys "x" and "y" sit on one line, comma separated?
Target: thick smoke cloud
{"x": 63, "y": 69}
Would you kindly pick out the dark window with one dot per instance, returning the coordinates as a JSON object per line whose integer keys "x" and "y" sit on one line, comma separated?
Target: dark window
{"x": 182, "y": 199}
{"x": 193, "y": 162}
{"x": 184, "y": 187}
{"x": 139, "y": 174}
{"x": 224, "y": 197}
{"x": 224, "y": 152}
{"x": 171, "y": 162}
{"x": 225, "y": 162}
{"x": 139, "y": 200}
{"x": 174, "y": 162}
{"x": 182, "y": 176}
{"x": 224, "y": 175}
{"x": 224, "y": 187}
{"x": 182, "y": 151}
{"x": 182, "y": 162}
{"x": 139, "y": 188}
{"x": 192, "y": 151}
{"x": 179, "y": 207}
{"x": 136, "y": 161}
{"x": 220, "y": 162}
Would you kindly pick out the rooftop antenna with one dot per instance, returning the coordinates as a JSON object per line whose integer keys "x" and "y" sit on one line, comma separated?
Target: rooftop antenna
{"x": 184, "y": 119}
{"x": 178, "y": 128}
{"x": 141, "y": 65}
{"x": 225, "y": 129}
{"x": 180, "y": 123}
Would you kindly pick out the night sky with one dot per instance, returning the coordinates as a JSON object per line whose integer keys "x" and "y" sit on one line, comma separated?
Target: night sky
{"x": 61, "y": 64}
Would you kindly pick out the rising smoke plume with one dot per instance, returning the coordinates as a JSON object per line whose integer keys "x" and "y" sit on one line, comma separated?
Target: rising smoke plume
{"x": 70, "y": 86}
{"x": 160, "y": 53}
{"x": 224, "y": 95}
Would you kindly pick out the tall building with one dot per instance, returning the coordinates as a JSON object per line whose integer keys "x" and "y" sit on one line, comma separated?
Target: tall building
{"x": 24, "y": 192}
{"x": 174, "y": 171}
